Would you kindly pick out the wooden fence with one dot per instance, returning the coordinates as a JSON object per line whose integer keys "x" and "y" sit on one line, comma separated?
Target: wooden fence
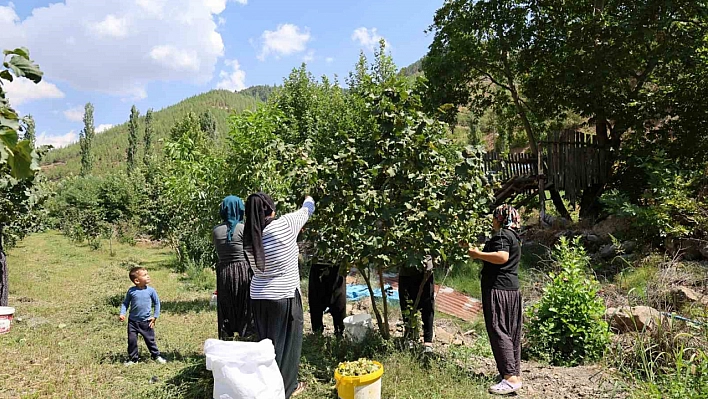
{"x": 510, "y": 166}
{"x": 573, "y": 161}
{"x": 570, "y": 162}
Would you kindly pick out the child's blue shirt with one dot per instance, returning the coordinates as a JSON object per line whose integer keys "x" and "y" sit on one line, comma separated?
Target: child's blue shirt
{"x": 140, "y": 302}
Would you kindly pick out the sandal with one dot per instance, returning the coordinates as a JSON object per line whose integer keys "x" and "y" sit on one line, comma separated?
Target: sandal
{"x": 300, "y": 387}
{"x": 504, "y": 387}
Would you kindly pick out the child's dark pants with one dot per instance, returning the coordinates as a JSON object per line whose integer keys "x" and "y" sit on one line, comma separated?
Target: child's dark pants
{"x": 142, "y": 328}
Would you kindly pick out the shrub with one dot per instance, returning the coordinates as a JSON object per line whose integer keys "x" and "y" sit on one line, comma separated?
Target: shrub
{"x": 566, "y": 326}
{"x": 664, "y": 199}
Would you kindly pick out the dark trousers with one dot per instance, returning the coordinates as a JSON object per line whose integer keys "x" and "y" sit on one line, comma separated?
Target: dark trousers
{"x": 233, "y": 300}
{"x": 281, "y": 322}
{"x": 408, "y": 287}
{"x": 327, "y": 289}
{"x": 502, "y": 317}
{"x": 142, "y": 328}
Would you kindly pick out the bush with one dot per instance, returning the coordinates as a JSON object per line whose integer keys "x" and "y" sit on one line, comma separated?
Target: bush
{"x": 566, "y": 326}
{"x": 662, "y": 198}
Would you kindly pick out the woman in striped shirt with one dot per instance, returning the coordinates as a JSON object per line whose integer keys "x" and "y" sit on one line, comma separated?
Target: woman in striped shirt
{"x": 271, "y": 248}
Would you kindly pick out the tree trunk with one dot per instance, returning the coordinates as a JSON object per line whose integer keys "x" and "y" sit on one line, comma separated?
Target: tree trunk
{"x": 384, "y": 298}
{"x": 4, "y": 289}
{"x": 384, "y": 331}
{"x": 560, "y": 205}
{"x": 520, "y": 108}
{"x": 590, "y": 206}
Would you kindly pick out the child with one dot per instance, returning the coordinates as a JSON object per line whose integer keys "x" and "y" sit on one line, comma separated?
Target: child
{"x": 140, "y": 299}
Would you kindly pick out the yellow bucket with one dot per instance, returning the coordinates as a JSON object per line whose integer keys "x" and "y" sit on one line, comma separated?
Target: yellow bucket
{"x": 360, "y": 387}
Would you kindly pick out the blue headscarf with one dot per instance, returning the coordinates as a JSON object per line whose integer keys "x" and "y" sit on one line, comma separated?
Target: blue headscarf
{"x": 231, "y": 211}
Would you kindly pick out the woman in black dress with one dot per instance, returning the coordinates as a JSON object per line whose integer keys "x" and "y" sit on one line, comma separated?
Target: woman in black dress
{"x": 233, "y": 274}
{"x": 501, "y": 298}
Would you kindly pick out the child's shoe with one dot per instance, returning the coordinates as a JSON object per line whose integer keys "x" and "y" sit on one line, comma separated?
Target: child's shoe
{"x": 129, "y": 363}
{"x": 160, "y": 360}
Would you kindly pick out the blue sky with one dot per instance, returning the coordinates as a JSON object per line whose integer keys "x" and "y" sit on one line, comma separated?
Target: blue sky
{"x": 154, "y": 53}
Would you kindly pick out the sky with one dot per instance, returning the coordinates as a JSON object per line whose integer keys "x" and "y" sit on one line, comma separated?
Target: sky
{"x": 155, "y": 53}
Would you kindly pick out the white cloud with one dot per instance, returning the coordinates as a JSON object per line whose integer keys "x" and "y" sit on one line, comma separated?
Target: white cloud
{"x": 22, "y": 90}
{"x": 310, "y": 56}
{"x": 75, "y": 114}
{"x": 367, "y": 38}
{"x": 111, "y": 26}
{"x": 329, "y": 60}
{"x": 172, "y": 57}
{"x": 234, "y": 80}
{"x": 102, "y": 128}
{"x": 285, "y": 40}
{"x": 120, "y": 46}
{"x": 57, "y": 141}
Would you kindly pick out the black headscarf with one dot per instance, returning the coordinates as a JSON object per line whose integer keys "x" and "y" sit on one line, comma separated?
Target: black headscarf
{"x": 259, "y": 207}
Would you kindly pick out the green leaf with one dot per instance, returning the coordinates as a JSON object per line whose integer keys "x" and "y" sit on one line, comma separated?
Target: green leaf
{"x": 8, "y": 135}
{"x": 5, "y": 74}
{"x": 23, "y": 67}
{"x": 23, "y": 161}
{"x": 21, "y": 51}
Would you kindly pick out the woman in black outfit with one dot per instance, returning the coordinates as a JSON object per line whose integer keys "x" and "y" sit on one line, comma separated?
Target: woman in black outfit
{"x": 233, "y": 274}
{"x": 501, "y": 298}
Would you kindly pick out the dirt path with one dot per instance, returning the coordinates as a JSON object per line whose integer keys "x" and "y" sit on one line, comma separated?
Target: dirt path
{"x": 540, "y": 381}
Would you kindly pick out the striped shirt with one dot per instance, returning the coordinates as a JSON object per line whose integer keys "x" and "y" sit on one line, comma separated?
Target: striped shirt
{"x": 280, "y": 276}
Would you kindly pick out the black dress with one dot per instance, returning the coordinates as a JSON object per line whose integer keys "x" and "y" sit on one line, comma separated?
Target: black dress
{"x": 233, "y": 284}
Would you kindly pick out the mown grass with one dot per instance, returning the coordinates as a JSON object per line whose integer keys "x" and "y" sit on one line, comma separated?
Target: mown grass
{"x": 67, "y": 342}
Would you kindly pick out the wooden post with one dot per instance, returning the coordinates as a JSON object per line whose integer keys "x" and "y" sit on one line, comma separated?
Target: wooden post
{"x": 541, "y": 188}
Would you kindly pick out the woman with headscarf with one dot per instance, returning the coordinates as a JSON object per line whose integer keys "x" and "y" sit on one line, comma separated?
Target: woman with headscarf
{"x": 233, "y": 274}
{"x": 272, "y": 250}
{"x": 501, "y": 298}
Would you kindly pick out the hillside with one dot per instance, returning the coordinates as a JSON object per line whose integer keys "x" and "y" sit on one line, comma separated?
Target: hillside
{"x": 415, "y": 69}
{"x": 110, "y": 147}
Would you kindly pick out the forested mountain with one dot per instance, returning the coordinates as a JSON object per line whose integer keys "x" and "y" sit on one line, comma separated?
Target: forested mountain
{"x": 414, "y": 69}
{"x": 259, "y": 92}
{"x": 109, "y": 148}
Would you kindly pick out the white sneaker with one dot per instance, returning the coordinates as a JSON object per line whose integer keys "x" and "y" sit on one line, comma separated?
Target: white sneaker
{"x": 128, "y": 363}
{"x": 504, "y": 387}
{"x": 160, "y": 360}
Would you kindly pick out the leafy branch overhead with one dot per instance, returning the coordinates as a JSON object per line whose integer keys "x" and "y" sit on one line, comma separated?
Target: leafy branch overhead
{"x": 16, "y": 156}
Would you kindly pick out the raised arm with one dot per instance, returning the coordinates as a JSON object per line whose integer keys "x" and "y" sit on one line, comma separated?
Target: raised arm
{"x": 296, "y": 220}
{"x": 498, "y": 253}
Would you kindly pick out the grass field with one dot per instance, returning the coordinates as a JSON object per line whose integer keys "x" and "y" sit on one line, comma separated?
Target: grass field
{"x": 66, "y": 340}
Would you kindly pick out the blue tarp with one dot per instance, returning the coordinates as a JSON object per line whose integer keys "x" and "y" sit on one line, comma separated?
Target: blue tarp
{"x": 356, "y": 292}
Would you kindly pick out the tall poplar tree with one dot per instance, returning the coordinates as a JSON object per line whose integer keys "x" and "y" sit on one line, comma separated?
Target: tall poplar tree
{"x": 133, "y": 138}
{"x": 85, "y": 140}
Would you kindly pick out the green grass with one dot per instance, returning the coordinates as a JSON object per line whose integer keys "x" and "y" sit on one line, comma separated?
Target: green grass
{"x": 67, "y": 342}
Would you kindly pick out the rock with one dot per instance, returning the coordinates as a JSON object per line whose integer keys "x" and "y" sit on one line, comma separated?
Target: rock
{"x": 683, "y": 295}
{"x": 629, "y": 246}
{"x": 564, "y": 233}
{"x": 608, "y": 251}
{"x": 443, "y": 336}
{"x": 555, "y": 221}
{"x": 704, "y": 251}
{"x": 636, "y": 318}
{"x": 591, "y": 238}
{"x": 691, "y": 249}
